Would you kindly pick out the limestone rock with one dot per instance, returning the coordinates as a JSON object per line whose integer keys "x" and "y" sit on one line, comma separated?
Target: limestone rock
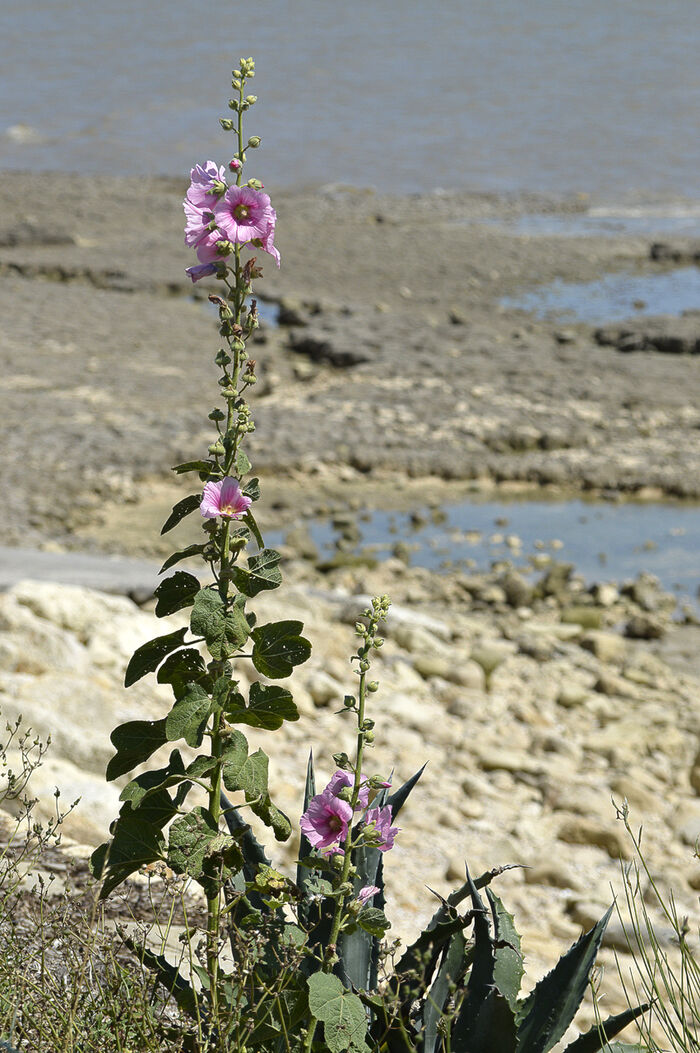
{"x": 581, "y": 831}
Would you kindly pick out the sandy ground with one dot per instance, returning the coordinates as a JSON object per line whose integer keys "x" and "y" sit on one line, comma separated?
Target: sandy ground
{"x": 396, "y": 361}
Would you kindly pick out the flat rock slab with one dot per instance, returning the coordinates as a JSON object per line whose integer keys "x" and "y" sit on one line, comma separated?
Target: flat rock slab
{"x": 115, "y": 574}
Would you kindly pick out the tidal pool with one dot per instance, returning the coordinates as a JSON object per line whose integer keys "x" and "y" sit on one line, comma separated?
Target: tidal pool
{"x": 613, "y": 297}
{"x": 605, "y": 541}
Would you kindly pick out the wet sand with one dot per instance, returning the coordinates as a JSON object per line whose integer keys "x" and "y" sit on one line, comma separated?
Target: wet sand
{"x": 395, "y": 371}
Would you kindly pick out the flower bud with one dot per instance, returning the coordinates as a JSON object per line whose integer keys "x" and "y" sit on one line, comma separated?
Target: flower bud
{"x": 369, "y": 736}
{"x": 224, "y": 248}
{"x": 234, "y": 104}
{"x": 254, "y": 142}
{"x": 235, "y": 83}
{"x": 255, "y": 184}
{"x": 349, "y": 702}
{"x": 235, "y": 165}
{"x": 373, "y": 686}
{"x": 216, "y": 414}
{"x": 251, "y": 99}
{"x": 237, "y": 73}
{"x": 217, "y": 449}
{"x": 345, "y": 794}
{"x": 226, "y": 124}
{"x": 337, "y": 861}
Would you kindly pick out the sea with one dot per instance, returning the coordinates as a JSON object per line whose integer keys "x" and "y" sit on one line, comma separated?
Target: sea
{"x": 599, "y": 98}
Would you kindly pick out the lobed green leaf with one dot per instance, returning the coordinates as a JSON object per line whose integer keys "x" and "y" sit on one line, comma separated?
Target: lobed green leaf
{"x": 263, "y": 573}
{"x": 148, "y": 657}
{"x": 176, "y": 592}
{"x": 184, "y": 553}
{"x": 188, "y": 717}
{"x": 134, "y": 742}
{"x": 224, "y": 630}
{"x": 278, "y": 647}
{"x": 269, "y": 706}
{"x": 180, "y": 510}
{"x": 341, "y": 1012}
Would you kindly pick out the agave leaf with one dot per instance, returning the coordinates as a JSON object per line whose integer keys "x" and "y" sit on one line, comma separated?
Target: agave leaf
{"x": 493, "y": 1028}
{"x": 547, "y": 1012}
{"x": 305, "y": 847}
{"x": 509, "y": 969}
{"x": 480, "y": 987}
{"x": 451, "y": 968}
{"x": 597, "y": 1038}
{"x": 397, "y": 799}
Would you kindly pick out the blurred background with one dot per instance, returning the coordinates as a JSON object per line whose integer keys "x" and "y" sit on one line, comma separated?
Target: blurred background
{"x": 591, "y": 96}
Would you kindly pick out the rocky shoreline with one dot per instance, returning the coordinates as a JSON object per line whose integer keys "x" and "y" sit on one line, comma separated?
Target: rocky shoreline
{"x": 533, "y": 712}
{"x": 393, "y": 358}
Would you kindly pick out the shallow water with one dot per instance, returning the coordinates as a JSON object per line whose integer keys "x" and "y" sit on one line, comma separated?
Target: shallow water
{"x": 605, "y": 541}
{"x": 601, "y": 221}
{"x": 558, "y": 97}
{"x": 614, "y": 297}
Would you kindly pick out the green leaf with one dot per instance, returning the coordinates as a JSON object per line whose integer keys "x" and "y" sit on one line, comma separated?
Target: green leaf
{"x": 450, "y": 973}
{"x": 278, "y": 647}
{"x": 148, "y": 657}
{"x": 225, "y": 631}
{"x": 195, "y": 466}
{"x": 194, "y": 839}
{"x": 135, "y": 843}
{"x": 596, "y": 1037}
{"x": 341, "y": 1012}
{"x": 549, "y": 1009}
{"x": 270, "y": 705}
{"x": 150, "y": 781}
{"x": 373, "y": 921}
{"x": 180, "y": 510}
{"x": 492, "y": 1028}
{"x": 184, "y": 553}
{"x": 183, "y": 668}
{"x": 273, "y": 817}
{"x": 508, "y": 969}
{"x": 243, "y": 465}
{"x": 251, "y": 776}
{"x": 263, "y": 573}
{"x": 188, "y": 717}
{"x": 253, "y": 527}
{"x": 252, "y": 489}
{"x": 176, "y": 592}
{"x": 134, "y": 742}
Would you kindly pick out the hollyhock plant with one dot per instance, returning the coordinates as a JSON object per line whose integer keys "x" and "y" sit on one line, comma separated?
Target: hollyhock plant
{"x": 366, "y": 893}
{"x": 224, "y": 498}
{"x": 342, "y": 779}
{"x": 203, "y": 188}
{"x": 325, "y": 822}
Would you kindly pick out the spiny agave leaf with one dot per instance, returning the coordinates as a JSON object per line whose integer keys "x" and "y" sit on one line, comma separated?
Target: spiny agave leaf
{"x": 188, "y": 717}
{"x": 492, "y": 1027}
{"x": 278, "y": 647}
{"x": 134, "y": 742}
{"x": 549, "y": 1009}
{"x": 450, "y": 972}
{"x": 397, "y": 799}
{"x": 175, "y": 592}
{"x": 481, "y": 978}
{"x": 597, "y": 1038}
{"x": 305, "y": 847}
{"x": 180, "y": 510}
{"x": 184, "y": 553}
{"x": 508, "y": 969}
{"x": 417, "y": 964}
{"x": 263, "y": 573}
{"x": 170, "y": 978}
{"x": 148, "y": 657}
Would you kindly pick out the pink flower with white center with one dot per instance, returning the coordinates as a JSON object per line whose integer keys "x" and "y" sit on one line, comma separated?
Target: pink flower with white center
{"x": 325, "y": 821}
{"x": 366, "y": 893}
{"x": 224, "y": 498}
{"x": 202, "y": 180}
{"x": 381, "y": 832}
{"x": 244, "y": 215}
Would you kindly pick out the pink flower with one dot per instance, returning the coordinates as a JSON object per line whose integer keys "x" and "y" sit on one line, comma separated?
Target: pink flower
{"x": 235, "y": 165}
{"x": 366, "y": 893}
{"x": 201, "y": 192}
{"x": 243, "y": 215}
{"x": 325, "y": 821}
{"x": 378, "y": 826}
{"x": 200, "y": 271}
{"x": 341, "y": 779}
{"x": 224, "y": 498}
